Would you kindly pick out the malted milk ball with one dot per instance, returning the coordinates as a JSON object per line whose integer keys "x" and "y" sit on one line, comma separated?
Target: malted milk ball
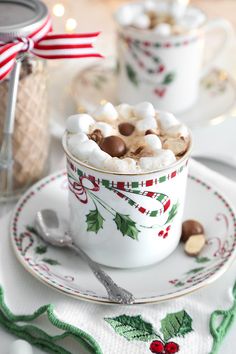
{"x": 114, "y": 146}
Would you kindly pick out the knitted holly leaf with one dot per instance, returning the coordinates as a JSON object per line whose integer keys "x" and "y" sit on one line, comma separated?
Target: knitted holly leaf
{"x": 168, "y": 79}
{"x": 94, "y": 221}
{"x": 176, "y": 324}
{"x": 172, "y": 213}
{"x": 132, "y": 75}
{"x": 132, "y": 327}
{"x": 126, "y": 225}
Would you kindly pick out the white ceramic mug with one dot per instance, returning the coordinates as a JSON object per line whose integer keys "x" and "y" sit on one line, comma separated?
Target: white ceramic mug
{"x": 165, "y": 71}
{"x": 126, "y": 220}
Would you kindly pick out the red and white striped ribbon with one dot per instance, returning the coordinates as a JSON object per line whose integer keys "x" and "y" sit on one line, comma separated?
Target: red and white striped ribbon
{"x": 47, "y": 45}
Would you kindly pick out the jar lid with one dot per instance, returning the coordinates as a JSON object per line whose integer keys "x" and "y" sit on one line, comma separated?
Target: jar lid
{"x": 19, "y": 18}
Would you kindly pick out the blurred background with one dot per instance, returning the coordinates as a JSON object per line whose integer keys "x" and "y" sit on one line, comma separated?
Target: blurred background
{"x": 89, "y": 15}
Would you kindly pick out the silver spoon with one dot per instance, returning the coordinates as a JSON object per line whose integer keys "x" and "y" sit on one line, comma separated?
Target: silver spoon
{"x": 49, "y": 229}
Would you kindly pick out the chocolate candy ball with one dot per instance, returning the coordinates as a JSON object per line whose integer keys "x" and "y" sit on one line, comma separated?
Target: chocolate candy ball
{"x": 126, "y": 129}
{"x": 114, "y": 146}
{"x": 149, "y": 131}
{"x": 96, "y": 136}
{"x": 189, "y": 228}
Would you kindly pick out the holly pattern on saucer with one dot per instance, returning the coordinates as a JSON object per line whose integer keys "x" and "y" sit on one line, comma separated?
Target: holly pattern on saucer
{"x": 220, "y": 247}
{"x": 135, "y": 328}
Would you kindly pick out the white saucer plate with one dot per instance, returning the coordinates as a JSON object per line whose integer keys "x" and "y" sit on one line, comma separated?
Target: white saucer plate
{"x": 176, "y": 276}
{"x": 216, "y": 98}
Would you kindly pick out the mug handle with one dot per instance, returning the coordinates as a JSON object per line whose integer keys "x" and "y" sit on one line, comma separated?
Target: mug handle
{"x": 228, "y": 31}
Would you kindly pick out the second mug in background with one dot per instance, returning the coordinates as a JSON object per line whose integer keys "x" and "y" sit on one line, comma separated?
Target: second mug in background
{"x": 166, "y": 70}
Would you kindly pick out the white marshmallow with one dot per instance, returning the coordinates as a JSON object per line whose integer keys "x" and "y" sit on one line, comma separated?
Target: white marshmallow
{"x": 105, "y": 128}
{"x": 162, "y": 6}
{"x": 144, "y": 110}
{"x": 131, "y": 164}
{"x": 74, "y": 141}
{"x": 20, "y": 347}
{"x": 163, "y": 29}
{"x": 167, "y": 120}
{"x": 193, "y": 18}
{"x": 98, "y": 157}
{"x": 141, "y": 21}
{"x": 177, "y": 131}
{"x": 162, "y": 159}
{"x": 120, "y": 165}
{"x": 115, "y": 165}
{"x": 150, "y": 5}
{"x": 125, "y": 110}
{"x": 145, "y": 124}
{"x": 178, "y": 9}
{"x": 153, "y": 141}
{"x": 106, "y": 112}
{"x": 125, "y": 14}
{"x": 79, "y": 123}
{"x": 83, "y": 150}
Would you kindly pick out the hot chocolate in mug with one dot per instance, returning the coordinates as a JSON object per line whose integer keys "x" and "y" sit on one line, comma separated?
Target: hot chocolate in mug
{"x": 166, "y": 70}
{"x": 126, "y": 220}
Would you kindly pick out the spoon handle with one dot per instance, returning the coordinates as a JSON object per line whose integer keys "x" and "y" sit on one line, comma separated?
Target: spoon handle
{"x": 115, "y": 292}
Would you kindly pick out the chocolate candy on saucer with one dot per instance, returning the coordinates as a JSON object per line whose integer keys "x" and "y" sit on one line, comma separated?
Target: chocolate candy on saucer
{"x": 189, "y": 228}
{"x": 114, "y": 146}
{"x": 193, "y": 237}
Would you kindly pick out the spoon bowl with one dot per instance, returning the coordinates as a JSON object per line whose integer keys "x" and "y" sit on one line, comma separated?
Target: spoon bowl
{"x": 53, "y": 232}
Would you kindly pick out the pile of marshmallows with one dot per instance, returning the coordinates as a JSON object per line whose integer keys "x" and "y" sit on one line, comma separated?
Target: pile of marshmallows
{"x": 110, "y": 155}
{"x": 140, "y": 16}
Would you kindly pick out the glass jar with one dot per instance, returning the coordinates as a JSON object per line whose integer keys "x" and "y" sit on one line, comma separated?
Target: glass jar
{"x": 24, "y": 131}
{"x": 31, "y": 132}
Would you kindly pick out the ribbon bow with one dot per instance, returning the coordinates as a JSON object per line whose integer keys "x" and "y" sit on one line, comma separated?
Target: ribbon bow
{"x": 47, "y": 45}
{"x": 81, "y": 187}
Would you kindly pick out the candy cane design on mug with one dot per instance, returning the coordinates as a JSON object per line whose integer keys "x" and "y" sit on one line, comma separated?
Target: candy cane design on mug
{"x": 85, "y": 188}
{"x": 156, "y": 71}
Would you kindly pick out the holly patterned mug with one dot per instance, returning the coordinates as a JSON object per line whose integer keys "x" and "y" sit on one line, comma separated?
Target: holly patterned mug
{"x": 126, "y": 220}
{"x": 165, "y": 71}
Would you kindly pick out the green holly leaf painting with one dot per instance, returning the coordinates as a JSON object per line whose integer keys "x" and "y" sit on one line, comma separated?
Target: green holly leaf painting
{"x": 132, "y": 75}
{"x": 179, "y": 284}
{"x": 94, "y": 221}
{"x": 50, "y": 261}
{"x": 132, "y": 327}
{"x": 168, "y": 79}
{"x": 32, "y": 230}
{"x": 202, "y": 259}
{"x": 41, "y": 249}
{"x": 176, "y": 325}
{"x": 126, "y": 226}
{"x": 172, "y": 213}
{"x": 195, "y": 270}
